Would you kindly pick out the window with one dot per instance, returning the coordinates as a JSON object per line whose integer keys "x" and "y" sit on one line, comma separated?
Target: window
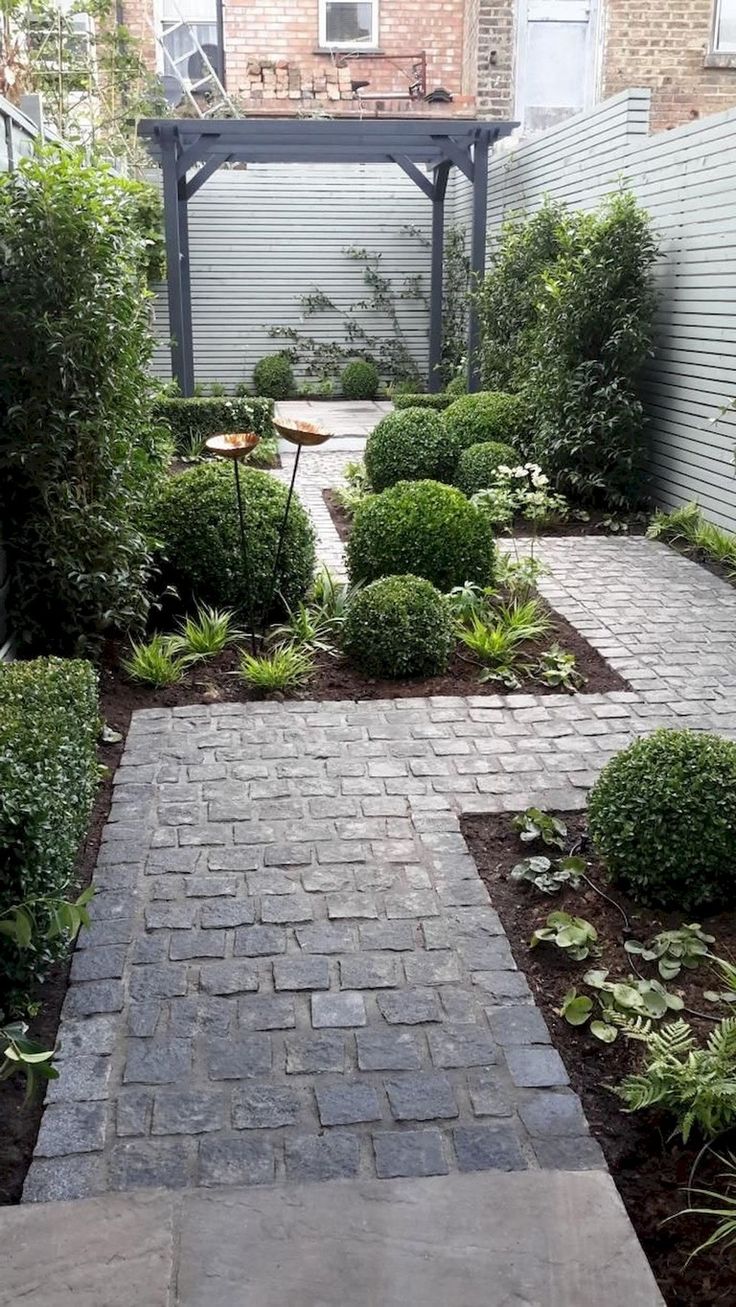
{"x": 181, "y": 20}
{"x": 348, "y": 23}
{"x": 724, "y": 26}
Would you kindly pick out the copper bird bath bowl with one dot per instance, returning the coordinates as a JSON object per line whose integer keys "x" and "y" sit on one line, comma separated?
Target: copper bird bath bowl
{"x": 236, "y": 446}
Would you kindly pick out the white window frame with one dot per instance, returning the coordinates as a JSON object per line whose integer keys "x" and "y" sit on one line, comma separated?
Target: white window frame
{"x": 370, "y": 44}
{"x": 714, "y": 45}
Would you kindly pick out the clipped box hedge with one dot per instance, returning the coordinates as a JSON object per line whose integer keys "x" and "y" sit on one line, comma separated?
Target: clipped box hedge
{"x": 49, "y": 725}
{"x": 191, "y": 421}
{"x": 437, "y": 402}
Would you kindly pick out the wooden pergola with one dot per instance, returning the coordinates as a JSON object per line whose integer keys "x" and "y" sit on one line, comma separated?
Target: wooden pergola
{"x": 191, "y": 150}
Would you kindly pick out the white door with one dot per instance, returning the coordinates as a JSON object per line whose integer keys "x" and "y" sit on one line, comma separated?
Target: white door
{"x": 556, "y": 64}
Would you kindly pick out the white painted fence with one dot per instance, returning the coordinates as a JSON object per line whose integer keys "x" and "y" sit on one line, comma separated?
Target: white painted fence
{"x": 262, "y": 237}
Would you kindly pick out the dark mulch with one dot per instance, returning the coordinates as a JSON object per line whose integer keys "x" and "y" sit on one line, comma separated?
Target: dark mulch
{"x": 650, "y": 1169}
{"x": 19, "y": 1120}
{"x": 599, "y": 523}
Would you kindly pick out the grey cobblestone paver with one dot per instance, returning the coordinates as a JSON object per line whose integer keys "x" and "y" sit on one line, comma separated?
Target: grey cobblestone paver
{"x": 318, "y": 986}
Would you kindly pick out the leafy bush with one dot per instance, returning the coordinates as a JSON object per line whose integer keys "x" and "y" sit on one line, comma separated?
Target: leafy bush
{"x": 360, "y": 380}
{"x": 697, "y": 1086}
{"x": 487, "y": 416}
{"x": 399, "y": 626}
{"x": 191, "y": 421}
{"x": 663, "y": 817}
{"x": 78, "y": 451}
{"x": 438, "y": 402}
{"x": 520, "y": 492}
{"x": 273, "y": 376}
{"x": 478, "y": 464}
{"x": 48, "y": 774}
{"x": 457, "y": 386}
{"x": 410, "y": 445}
{"x": 196, "y": 519}
{"x": 423, "y": 528}
{"x": 567, "y": 317}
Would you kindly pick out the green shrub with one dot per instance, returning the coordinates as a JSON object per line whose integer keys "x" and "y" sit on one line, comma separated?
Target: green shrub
{"x": 478, "y": 463}
{"x": 273, "y": 376}
{"x": 663, "y": 817}
{"x": 423, "y": 528}
{"x": 399, "y": 626}
{"x": 488, "y": 415}
{"x": 438, "y": 402}
{"x": 78, "y": 450}
{"x": 360, "y": 380}
{"x": 457, "y": 386}
{"x": 191, "y": 421}
{"x": 567, "y": 317}
{"x": 196, "y": 519}
{"x": 410, "y": 445}
{"x": 48, "y": 775}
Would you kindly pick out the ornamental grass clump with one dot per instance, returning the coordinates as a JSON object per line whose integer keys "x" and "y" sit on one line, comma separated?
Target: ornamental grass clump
{"x": 424, "y": 529}
{"x": 663, "y": 818}
{"x": 399, "y": 626}
{"x": 410, "y": 445}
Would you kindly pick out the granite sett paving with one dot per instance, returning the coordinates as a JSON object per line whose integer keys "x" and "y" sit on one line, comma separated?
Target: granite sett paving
{"x": 293, "y": 971}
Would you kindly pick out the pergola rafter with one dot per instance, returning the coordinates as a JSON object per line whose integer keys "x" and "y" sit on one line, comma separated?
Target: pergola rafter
{"x": 191, "y": 150}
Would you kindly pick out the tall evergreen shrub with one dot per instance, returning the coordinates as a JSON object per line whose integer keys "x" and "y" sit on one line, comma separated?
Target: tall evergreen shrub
{"x": 78, "y": 449}
{"x": 567, "y": 313}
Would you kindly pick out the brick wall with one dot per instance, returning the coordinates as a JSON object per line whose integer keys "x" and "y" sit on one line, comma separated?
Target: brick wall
{"x": 496, "y": 34}
{"x": 273, "y": 61}
{"x": 662, "y": 45}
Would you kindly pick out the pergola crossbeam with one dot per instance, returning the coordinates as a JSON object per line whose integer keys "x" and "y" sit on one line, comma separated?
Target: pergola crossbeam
{"x": 437, "y": 144}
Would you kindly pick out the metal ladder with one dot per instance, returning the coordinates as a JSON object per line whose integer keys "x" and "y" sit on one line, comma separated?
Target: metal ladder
{"x": 220, "y": 100}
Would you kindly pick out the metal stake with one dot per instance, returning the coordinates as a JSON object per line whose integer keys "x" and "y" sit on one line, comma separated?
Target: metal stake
{"x": 280, "y": 546}
{"x": 244, "y": 551}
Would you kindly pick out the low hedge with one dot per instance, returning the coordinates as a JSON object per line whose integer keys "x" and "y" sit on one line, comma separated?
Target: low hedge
{"x": 48, "y": 775}
{"x": 410, "y": 445}
{"x": 438, "y": 402}
{"x": 423, "y": 528}
{"x": 413, "y": 623}
{"x": 191, "y": 421}
{"x": 478, "y": 465}
{"x": 196, "y": 520}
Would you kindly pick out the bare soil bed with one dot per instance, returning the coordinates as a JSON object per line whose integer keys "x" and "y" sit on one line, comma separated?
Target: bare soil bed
{"x": 650, "y": 1169}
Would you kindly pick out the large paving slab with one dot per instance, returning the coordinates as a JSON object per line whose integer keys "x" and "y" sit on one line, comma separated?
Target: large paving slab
{"x": 485, "y": 1240}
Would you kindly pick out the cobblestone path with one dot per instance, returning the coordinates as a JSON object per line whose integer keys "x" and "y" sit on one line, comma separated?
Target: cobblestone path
{"x": 294, "y": 972}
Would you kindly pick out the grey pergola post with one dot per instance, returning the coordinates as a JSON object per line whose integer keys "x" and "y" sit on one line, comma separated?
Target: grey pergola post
{"x": 441, "y": 174}
{"x": 206, "y": 144}
{"x": 177, "y": 264}
{"x": 477, "y": 254}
